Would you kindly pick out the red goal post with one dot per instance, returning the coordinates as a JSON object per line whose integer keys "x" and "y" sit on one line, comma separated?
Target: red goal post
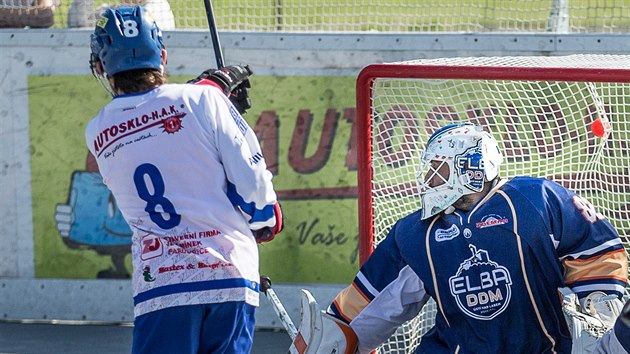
{"x": 566, "y": 118}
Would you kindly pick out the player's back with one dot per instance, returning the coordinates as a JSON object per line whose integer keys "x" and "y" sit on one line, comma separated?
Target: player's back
{"x": 164, "y": 154}
{"x": 162, "y": 143}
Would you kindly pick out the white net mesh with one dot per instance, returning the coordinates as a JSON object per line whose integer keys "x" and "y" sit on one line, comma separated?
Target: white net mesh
{"x": 545, "y": 129}
{"x": 360, "y": 15}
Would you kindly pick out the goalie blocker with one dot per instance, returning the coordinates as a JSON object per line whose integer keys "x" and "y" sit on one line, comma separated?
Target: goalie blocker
{"x": 320, "y": 333}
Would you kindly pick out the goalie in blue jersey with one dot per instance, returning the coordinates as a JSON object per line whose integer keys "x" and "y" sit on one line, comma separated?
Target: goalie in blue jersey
{"x": 493, "y": 254}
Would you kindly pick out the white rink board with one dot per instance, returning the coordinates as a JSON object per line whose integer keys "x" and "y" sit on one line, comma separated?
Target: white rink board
{"x": 65, "y": 52}
{"x": 111, "y": 301}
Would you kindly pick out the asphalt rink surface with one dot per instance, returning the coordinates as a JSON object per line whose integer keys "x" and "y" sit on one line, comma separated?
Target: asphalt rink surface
{"x": 35, "y": 338}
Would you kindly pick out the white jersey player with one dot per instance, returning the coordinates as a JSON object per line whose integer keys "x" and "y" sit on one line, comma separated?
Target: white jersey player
{"x": 492, "y": 253}
{"x": 189, "y": 177}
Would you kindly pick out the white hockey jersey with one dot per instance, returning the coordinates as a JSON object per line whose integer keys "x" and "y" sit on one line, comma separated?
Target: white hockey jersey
{"x": 188, "y": 175}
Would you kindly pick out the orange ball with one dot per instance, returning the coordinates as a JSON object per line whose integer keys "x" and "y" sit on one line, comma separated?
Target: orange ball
{"x": 597, "y": 127}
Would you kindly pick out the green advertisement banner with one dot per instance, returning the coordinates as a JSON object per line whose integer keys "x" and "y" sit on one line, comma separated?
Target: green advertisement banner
{"x": 305, "y": 126}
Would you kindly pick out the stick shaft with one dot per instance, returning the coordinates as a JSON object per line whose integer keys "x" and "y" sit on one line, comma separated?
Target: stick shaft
{"x": 214, "y": 34}
{"x": 281, "y": 313}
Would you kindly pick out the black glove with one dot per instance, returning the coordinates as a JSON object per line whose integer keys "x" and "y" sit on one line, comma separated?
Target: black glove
{"x": 234, "y": 81}
{"x": 240, "y": 97}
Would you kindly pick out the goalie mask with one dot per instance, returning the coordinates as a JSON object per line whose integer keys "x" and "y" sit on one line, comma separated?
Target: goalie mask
{"x": 457, "y": 161}
{"x": 126, "y": 38}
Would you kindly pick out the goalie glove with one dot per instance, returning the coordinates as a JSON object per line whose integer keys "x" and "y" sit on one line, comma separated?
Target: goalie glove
{"x": 602, "y": 306}
{"x": 233, "y": 81}
{"x": 587, "y": 328}
{"x": 267, "y": 234}
{"x": 321, "y": 333}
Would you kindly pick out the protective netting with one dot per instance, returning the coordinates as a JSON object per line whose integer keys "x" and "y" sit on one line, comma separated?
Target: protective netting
{"x": 358, "y": 15}
{"x": 544, "y": 128}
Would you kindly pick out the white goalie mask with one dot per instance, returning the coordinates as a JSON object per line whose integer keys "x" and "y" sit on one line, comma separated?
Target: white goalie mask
{"x": 457, "y": 161}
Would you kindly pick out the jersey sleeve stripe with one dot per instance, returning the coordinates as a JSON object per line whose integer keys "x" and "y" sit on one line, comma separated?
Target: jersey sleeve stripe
{"x": 608, "y": 246}
{"x": 584, "y": 290}
{"x": 349, "y": 303}
{"x": 364, "y": 286}
{"x": 601, "y": 279}
{"x": 249, "y": 208}
{"x": 612, "y": 265}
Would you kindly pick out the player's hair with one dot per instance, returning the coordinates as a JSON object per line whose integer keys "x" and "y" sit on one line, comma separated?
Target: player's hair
{"x": 139, "y": 80}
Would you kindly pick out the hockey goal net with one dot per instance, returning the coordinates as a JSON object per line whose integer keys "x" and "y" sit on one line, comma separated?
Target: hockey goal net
{"x": 564, "y": 118}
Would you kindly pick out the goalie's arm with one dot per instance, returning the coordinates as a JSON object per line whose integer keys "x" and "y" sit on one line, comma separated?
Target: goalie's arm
{"x": 396, "y": 304}
{"x": 327, "y": 333}
{"x": 385, "y": 294}
{"x": 588, "y": 246}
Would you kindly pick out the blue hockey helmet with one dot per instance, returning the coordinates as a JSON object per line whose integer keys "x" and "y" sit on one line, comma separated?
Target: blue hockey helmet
{"x": 126, "y": 38}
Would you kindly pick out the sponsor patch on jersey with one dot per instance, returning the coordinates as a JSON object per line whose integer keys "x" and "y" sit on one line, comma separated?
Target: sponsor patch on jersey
{"x": 238, "y": 119}
{"x": 446, "y": 234}
{"x": 146, "y": 274}
{"x": 172, "y": 125}
{"x": 481, "y": 287}
{"x": 491, "y": 220}
{"x": 151, "y": 247}
{"x": 168, "y": 117}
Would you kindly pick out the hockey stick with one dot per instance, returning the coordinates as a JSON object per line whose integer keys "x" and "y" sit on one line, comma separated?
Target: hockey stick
{"x": 306, "y": 339}
{"x": 265, "y": 287}
{"x": 214, "y": 34}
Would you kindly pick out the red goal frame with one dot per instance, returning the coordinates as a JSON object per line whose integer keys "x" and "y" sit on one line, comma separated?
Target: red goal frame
{"x": 364, "y": 89}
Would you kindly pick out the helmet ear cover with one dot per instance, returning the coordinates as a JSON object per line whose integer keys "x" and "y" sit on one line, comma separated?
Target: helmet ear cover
{"x": 473, "y": 158}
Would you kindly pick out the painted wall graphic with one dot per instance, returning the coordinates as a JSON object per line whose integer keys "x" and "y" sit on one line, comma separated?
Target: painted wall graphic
{"x": 305, "y": 125}
{"x": 91, "y": 220}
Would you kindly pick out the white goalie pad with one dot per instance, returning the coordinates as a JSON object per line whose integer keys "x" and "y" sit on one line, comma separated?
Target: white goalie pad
{"x": 309, "y": 333}
{"x": 320, "y": 333}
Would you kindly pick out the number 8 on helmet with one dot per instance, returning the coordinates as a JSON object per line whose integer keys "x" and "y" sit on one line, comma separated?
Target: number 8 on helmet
{"x": 125, "y": 39}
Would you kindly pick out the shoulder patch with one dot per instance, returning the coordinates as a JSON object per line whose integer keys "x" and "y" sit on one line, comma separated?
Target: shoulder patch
{"x": 446, "y": 234}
